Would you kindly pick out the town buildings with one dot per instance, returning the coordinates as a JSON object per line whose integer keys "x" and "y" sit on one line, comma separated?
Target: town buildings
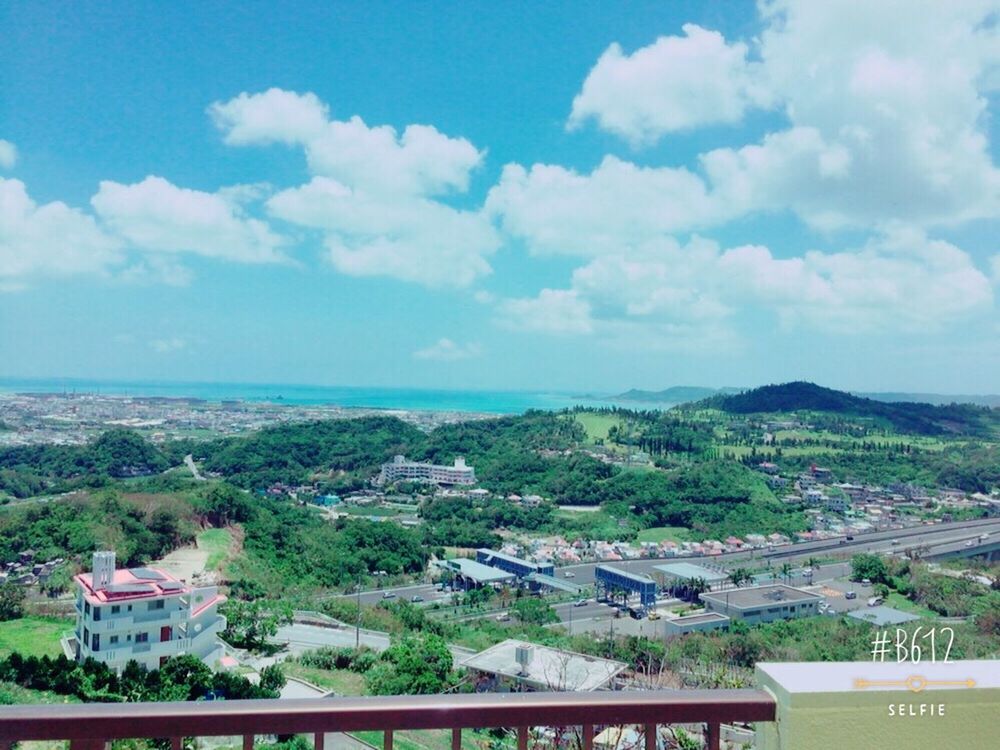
{"x": 763, "y": 603}
{"x": 401, "y": 470}
{"x": 145, "y": 615}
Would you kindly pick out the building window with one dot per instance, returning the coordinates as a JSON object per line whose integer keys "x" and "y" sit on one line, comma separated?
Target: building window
{"x": 141, "y": 637}
{"x": 130, "y": 608}
{"x": 158, "y": 604}
{"x": 86, "y": 608}
{"x": 97, "y": 642}
{"x": 115, "y": 609}
{"x": 114, "y": 640}
{"x": 97, "y": 613}
{"x": 86, "y": 637}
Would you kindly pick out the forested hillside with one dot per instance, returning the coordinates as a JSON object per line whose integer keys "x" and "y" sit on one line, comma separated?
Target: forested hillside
{"x": 922, "y": 419}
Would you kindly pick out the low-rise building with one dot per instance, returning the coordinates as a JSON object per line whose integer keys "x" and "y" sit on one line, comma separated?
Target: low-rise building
{"x": 513, "y": 666}
{"x": 144, "y": 615}
{"x": 763, "y": 603}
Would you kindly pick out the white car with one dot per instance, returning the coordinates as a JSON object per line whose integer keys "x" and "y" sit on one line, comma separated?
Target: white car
{"x": 569, "y": 574}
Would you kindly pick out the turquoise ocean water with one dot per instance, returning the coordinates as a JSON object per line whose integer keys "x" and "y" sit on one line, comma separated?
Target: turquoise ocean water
{"x": 491, "y": 402}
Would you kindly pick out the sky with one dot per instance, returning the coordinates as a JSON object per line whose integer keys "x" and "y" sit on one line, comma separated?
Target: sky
{"x": 558, "y": 196}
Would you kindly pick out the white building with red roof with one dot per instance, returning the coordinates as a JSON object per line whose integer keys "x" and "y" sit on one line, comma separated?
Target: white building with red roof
{"x": 144, "y": 614}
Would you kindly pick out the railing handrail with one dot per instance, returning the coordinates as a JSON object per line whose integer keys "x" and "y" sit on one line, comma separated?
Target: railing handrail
{"x": 108, "y": 721}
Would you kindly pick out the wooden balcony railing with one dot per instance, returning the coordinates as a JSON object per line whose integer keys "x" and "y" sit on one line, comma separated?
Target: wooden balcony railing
{"x": 90, "y": 726}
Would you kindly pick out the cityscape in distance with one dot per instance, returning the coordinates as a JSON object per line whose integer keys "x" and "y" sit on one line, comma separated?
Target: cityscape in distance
{"x": 499, "y": 376}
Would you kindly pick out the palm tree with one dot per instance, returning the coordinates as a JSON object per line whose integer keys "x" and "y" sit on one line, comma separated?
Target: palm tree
{"x": 695, "y": 587}
{"x": 786, "y": 571}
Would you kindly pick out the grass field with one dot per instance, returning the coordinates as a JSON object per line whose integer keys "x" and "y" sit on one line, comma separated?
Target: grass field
{"x": 664, "y": 534}
{"x": 897, "y": 600}
{"x": 340, "y": 681}
{"x": 217, "y": 542}
{"x": 596, "y": 425}
{"x": 33, "y": 636}
{"x": 12, "y": 694}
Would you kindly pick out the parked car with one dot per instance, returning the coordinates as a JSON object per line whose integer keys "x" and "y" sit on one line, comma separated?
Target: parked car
{"x": 654, "y": 615}
{"x": 850, "y": 538}
{"x": 580, "y": 603}
{"x": 875, "y": 601}
{"x": 894, "y": 542}
{"x": 851, "y": 595}
{"x": 388, "y": 595}
{"x": 866, "y": 582}
{"x": 416, "y": 598}
{"x": 569, "y": 574}
{"x": 503, "y": 617}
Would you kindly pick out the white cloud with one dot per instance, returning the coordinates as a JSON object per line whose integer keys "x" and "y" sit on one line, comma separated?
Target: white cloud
{"x": 898, "y": 281}
{"x": 887, "y": 118}
{"x": 557, "y": 311}
{"x": 559, "y": 211}
{"x": 168, "y": 345}
{"x": 676, "y": 83}
{"x": 446, "y": 350}
{"x": 374, "y": 192}
{"x": 412, "y": 239}
{"x": 273, "y": 116}
{"x": 155, "y": 215}
{"x": 8, "y": 154}
{"x": 669, "y": 295}
{"x": 48, "y": 240}
{"x": 421, "y": 161}
{"x": 995, "y": 264}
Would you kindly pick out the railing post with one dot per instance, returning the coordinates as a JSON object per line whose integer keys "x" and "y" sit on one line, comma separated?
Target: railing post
{"x": 456, "y": 738}
{"x": 319, "y": 740}
{"x": 248, "y": 741}
{"x": 649, "y": 730}
{"x": 87, "y": 744}
{"x": 588, "y": 736}
{"x": 522, "y": 738}
{"x": 176, "y": 743}
{"x": 713, "y": 735}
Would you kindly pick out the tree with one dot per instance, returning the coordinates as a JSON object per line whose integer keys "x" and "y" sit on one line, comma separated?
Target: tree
{"x": 250, "y": 623}
{"x": 739, "y": 576}
{"x": 869, "y": 566}
{"x": 533, "y": 611}
{"x": 412, "y": 665}
{"x": 786, "y": 571}
{"x": 11, "y": 602}
{"x": 223, "y": 504}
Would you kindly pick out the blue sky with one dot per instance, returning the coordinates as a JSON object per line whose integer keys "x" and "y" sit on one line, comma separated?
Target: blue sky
{"x": 526, "y": 196}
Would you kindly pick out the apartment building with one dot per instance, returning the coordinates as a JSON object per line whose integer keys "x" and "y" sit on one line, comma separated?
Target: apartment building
{"x": 145, "y": 615}
{"x": 401, "y": 470}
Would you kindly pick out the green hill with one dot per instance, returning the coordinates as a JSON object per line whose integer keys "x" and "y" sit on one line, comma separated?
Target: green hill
{"x": 916, "y": 418}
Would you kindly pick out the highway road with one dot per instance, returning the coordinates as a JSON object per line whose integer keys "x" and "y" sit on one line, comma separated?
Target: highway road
{"x": 947, "y": 537}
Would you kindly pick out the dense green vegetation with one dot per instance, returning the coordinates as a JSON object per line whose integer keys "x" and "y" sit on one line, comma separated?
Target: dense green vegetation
{"x": 181, "y": 678}
{"x": 117, "y": 453}
{"x": 907, "y": 417}
{"x": 138, "y": 527}
{"x": 343, "y": 452}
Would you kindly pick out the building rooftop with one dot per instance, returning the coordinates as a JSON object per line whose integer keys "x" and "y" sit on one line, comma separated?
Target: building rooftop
{"x": 547, "y": 668}
{"x": 698, "y": 619}
{"x": 761, "y": 596}
{"x": 638, "y": 577}
{"x": 132, "y": 583}
{"x": 882, "y": 615}
{"x": 477, "y": 571}
{"x": 690, "y": 570}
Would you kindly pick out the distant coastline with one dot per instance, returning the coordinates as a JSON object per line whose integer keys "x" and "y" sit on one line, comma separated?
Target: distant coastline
{"x": 405, "y": 399}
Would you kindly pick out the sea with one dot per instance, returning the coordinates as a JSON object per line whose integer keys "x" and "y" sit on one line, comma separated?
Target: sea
{"x": 408, "y": 399}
